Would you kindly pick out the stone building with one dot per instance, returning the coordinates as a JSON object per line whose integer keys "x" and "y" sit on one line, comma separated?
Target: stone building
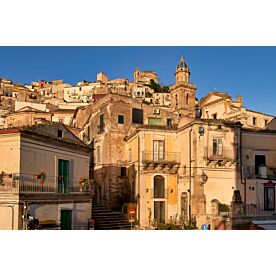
{"x": 26, "y": 116}
{"x": 219, "y": 105}
{"x": 173, "y": 158}
{"x": 107, "y": 122}
{"x": 44, "y": 175}
{"x": 153, "y": 163}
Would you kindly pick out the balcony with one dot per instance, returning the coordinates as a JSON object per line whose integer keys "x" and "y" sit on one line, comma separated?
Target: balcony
{"x": 29, "y": 184}
{"x": 161, "y": 157}
{"x": 220, "y": 154}
{"x": 164, "y": 161}
{"x": 253, "y": 211}
{"x": 264, "y": 172}
{"x": 100, "y": 128}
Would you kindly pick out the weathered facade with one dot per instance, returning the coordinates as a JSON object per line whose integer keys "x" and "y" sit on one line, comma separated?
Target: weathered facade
{"x": 160, "y": 150}
{"x": 45, "y": 175}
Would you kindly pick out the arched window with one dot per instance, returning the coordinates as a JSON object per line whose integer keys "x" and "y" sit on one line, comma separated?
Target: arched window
{"x": 187, "y": 99}
{"x": 159, "y": 187}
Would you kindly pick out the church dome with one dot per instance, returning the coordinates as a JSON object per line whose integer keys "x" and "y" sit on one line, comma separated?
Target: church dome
{"x": 182, "y": 64}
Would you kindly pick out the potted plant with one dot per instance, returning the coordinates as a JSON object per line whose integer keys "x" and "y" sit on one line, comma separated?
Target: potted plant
{"x": 83, "y": 184}
{"x": 41, "y": 177}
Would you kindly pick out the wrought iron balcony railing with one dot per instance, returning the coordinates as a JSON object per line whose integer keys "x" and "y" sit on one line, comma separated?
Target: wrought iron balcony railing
{"x": 220, "y": 153}
{"x": 160, "y": 157}
{"x": 22, "y": 183}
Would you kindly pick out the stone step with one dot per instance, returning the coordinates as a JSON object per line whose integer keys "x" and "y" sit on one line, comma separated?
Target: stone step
{"x": 113, "y": 226}
{"x": 113, "y": 220}
{"x": 106, "y": 219}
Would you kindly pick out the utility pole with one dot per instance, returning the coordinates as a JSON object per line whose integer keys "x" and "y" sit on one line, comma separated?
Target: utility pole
{"x": 190, "y": 174}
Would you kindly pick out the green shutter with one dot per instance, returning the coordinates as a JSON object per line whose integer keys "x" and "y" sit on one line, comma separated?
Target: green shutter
{"x": 63, "y": 176}
{"x": 154, "y": 121}
{"x": 65, "y": 220}
{"x": 102, "y": 119}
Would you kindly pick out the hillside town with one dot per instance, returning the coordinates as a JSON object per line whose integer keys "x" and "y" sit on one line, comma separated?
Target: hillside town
{"x": 133, "y": 154}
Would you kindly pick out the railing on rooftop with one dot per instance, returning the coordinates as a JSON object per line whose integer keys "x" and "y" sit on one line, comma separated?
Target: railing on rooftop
{"x": 160, "y": 157}
{"x": 22, "y": 183}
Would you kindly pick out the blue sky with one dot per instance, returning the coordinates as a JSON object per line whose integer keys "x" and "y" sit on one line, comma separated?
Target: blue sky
{"x": 246, "y": 71}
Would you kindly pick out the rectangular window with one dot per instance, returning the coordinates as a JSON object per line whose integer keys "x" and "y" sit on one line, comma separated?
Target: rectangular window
{"x": 155, "y": 121}
{"x": 260, "y": 160}
{"x": 158, "y": 150}
{"x": 101, "y": 119}
{"x": 98, "y": 154}
{"x": 121, "y": 119}
{"x": 217, "y": 146}
{"x": 137, "y": 116}
{"x": 123, "y": 171}
{"x": 101, "y": 125}
{"x": 215, "y": 116}
{"x": 169, "y": 121}
{"x": 254, "y": 121}
{"x": 269, "y": 198}
{"x": 266, "y": 122}
{"x": 129, "y": 155}
{"x": 88, "y": 133}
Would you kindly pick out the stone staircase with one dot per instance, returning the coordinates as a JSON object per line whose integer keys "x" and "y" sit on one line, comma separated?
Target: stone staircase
{"x": 108, "y": 220}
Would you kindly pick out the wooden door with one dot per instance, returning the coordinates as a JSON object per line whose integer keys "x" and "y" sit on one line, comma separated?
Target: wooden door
{"x": 65, "y": 220}
{"x": 184, "y": 207}
{"x": 159, "y": 211}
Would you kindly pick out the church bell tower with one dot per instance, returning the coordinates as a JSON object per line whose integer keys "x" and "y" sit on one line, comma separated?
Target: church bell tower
{"x": 183, "y": 92}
